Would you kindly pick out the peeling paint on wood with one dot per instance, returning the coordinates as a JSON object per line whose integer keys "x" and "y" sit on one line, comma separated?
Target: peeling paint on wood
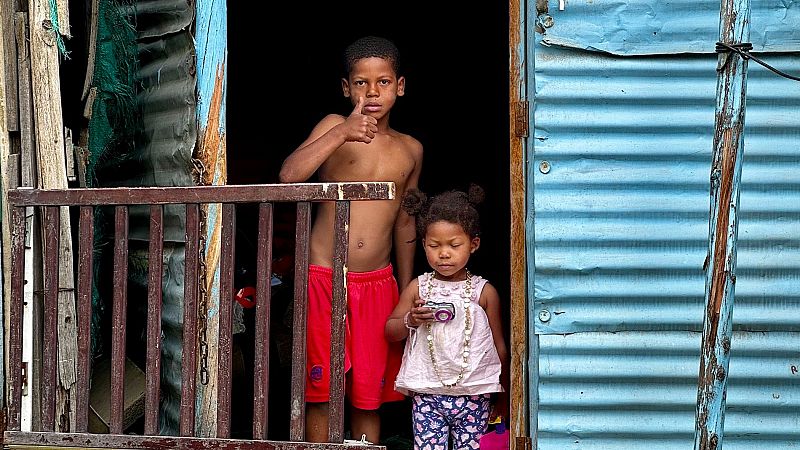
{"x": 723, "y": 225}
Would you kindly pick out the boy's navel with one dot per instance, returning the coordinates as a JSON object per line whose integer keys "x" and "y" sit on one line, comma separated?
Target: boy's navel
{"x": 360, "y": 244}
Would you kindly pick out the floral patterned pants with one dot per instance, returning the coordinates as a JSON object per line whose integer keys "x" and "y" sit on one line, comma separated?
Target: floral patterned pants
{"x": 438, "y": 417}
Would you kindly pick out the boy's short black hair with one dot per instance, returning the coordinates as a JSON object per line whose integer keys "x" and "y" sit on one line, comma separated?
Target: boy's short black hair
{"x": 368, "y": 47}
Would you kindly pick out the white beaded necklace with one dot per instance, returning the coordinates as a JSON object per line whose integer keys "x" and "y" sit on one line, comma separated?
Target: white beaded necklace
{"x": 466, "y": 295}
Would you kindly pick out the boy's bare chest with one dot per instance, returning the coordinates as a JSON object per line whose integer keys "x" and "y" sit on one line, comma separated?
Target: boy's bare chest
{"x": 360, "y": 163}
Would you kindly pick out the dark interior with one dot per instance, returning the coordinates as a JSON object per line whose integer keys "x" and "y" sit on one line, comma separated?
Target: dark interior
{"x": 455, "y": 59}
{"x": 284, "y": 71}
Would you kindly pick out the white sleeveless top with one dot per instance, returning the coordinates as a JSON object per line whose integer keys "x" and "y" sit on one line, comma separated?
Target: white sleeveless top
{"x": 482, "y": 368}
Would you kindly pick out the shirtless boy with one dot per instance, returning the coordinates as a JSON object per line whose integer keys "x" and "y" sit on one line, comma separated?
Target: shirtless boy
{"x": 359, "y": 147}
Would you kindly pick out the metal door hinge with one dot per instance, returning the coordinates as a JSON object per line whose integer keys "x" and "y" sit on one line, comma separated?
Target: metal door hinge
{"x": 521, "y": 118}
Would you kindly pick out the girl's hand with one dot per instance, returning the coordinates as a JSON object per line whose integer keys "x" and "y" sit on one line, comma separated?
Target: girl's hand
{"x": 419, "y": 314}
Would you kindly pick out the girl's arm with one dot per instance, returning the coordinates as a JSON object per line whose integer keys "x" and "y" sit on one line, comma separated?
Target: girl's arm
{"x": 407, "y": 313}
{"x": 490, "y": 301}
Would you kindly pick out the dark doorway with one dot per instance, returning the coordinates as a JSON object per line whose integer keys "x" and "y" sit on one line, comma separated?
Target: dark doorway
{"x": 455, "y": 59}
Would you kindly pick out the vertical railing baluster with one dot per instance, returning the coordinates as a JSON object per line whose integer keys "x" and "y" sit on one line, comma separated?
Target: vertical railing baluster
{"x": 119, "y": 319}
{"x": 225, "y": 360}
{"x": 190, "y": 291}
{"x": 298, "y": 394}
{"x": 15, "y": 317}
{"x": 154, "y": 297}
{"x": 49, "y": 379}
{"x": 84, "y": 311}
{"x": 338, "y": 314}
{"x": 262, "y": 322}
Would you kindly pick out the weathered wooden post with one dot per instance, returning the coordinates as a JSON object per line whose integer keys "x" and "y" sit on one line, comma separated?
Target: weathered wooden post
{"x": 726, "y": 171}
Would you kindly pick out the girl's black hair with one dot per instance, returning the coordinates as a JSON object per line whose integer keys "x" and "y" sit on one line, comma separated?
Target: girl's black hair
{"x": 451, "y": 206}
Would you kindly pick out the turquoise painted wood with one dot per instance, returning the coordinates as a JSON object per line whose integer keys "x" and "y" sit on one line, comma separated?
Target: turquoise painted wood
{"x": 726, "y": 175}
{"x": 211, "y": 48}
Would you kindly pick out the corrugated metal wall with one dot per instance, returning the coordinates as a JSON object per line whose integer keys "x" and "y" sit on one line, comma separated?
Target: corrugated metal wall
{"x": 618, "y": 217}
{"x": 168, "y": 99}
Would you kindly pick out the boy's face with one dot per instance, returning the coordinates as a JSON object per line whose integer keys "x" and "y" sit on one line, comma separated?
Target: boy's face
{"x": 375, "y": 80}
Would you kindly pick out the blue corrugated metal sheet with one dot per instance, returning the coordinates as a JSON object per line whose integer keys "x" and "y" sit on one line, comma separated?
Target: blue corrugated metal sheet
{"x": 618, "y": 181}
{"x": 621, "y": 218}
{"x": 638, "y": 390}
{"x": 645, "y": 27}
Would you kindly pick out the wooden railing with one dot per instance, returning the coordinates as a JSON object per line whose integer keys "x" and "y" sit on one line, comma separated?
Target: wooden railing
{"x": 55, "y": 203}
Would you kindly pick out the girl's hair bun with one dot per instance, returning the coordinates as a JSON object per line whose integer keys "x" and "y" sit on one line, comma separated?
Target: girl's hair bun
{"x": 413, "y": 201}
{"x": 476, "y": 194}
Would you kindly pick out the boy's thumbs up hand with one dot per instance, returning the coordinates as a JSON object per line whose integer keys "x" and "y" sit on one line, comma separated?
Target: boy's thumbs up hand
{"x": 359, "y": 106}
{"x": 360, "y": 127}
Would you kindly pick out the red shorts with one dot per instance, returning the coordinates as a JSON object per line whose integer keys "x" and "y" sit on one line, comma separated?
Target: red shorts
{"x": 370, "y": 360}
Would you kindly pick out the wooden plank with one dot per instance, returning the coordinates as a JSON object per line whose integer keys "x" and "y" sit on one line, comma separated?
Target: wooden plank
{"x": 50, "y": 355}
{"x": 210, "y": 156}
{"x": 190, "y": 291}
{"x": 130, "y": 441}
{"x": 119, "y": 319}
{"x": 92, "y": 43}
{"x": 15, "y": 317}
{"x": 49, "y": 138}
{"x": 262, "y": 322}
{"x": 8, "y": 72}
{"x": 46, "y": 89}
{"x": 518, "y": 420}
{"x": 62, "y": 8}
{"x": 8, "y": 122}
{"x": 297, "y": 408}
{"x": 225, "y": 359}
{"x": 252, "y": 193}
{"x": 33, "y": 275}
{"x": 341, "y": 235}
{"x": 208, "y": 316}
{"x": 154, "y": 299}
{"x": 27, "y": 149}
{"x": 85, "y": 264}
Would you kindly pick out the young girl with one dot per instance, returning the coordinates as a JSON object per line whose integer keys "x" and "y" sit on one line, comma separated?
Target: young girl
{"x": 455, "y": 352}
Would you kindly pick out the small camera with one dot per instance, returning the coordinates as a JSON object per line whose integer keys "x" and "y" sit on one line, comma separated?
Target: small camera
{"x": 442, "y": 311}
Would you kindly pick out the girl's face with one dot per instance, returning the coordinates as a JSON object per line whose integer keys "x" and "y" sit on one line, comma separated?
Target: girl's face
{"x": 448, "y": 248}
{"x": 374, "y": 80}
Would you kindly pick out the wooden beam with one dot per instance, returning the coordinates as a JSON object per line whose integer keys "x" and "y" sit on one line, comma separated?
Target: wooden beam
{"x": 49, "y": 126}
{"x": 518, "y": 420}
{"x": 8, "y": 122}
{"x": 17, "y": 439}
{"x": 251, "y": 193}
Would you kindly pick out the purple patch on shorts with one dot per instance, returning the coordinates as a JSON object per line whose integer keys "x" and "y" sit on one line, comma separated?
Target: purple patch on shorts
{"x": 316, "y": 373}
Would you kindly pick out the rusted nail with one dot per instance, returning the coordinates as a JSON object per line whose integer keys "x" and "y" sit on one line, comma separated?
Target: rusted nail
{"x": 720, "y": 374}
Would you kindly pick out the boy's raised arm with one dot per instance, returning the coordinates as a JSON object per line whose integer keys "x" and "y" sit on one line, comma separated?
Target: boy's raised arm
{"x": 326, "y": 137}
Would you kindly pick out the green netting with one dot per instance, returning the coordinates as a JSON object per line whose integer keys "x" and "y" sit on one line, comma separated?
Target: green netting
{"x": 114, "y": 120}
{"x": 113, "y": 123}
{"x": 62, "y": 49}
